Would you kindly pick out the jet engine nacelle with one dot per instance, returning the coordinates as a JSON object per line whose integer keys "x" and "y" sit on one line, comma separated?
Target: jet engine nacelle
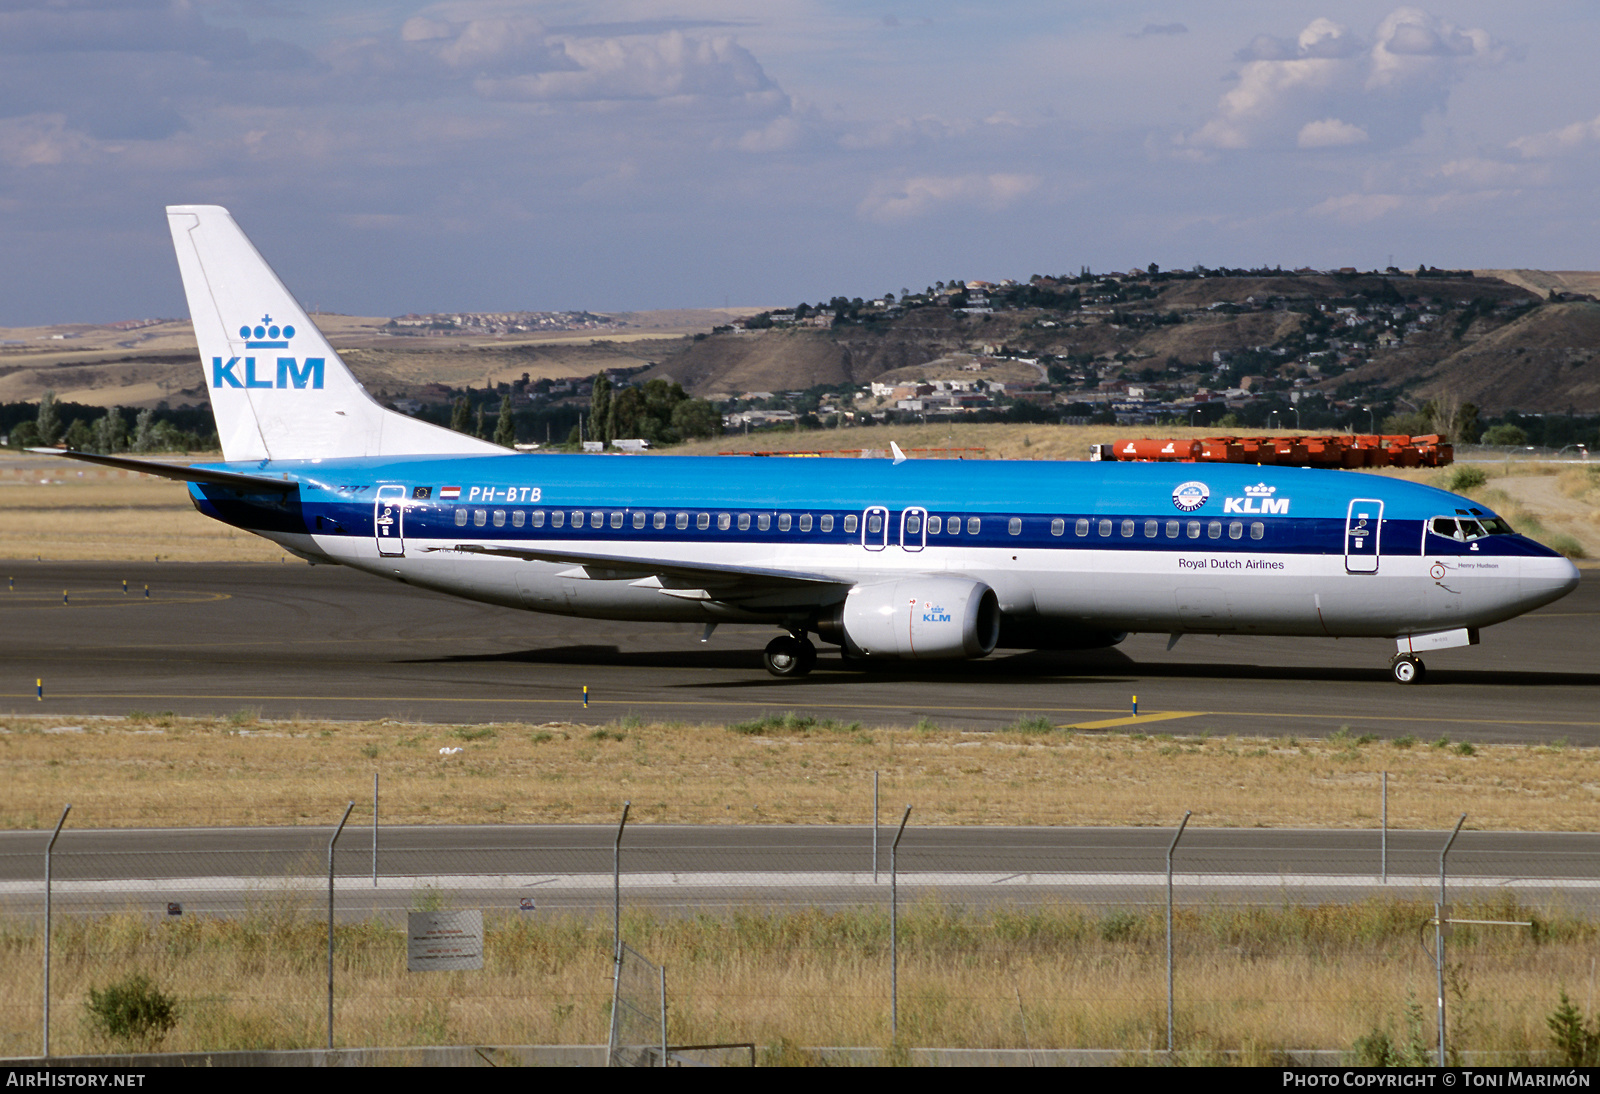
{"x": 926, "y": 617}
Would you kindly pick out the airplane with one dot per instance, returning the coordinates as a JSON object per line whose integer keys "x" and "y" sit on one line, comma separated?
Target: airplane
{"x": 891, "y": 560}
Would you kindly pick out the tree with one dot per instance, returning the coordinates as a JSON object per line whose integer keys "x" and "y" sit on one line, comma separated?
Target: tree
{"x": 1505, "y": 435}
{"x": 505, "y": 430}
{"x": 109, "y": 432}
{"x": 460, "y": 415}
{"x": 696, "y": 418}
{"x": 600, "y": 410}
{"x": 481, "y": 431}
{"x": 144, "y": 431}
{"x": 49, "y": 419}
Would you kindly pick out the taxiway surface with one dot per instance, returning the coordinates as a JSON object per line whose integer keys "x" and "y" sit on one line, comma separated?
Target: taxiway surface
{"x": 333, "y": 643}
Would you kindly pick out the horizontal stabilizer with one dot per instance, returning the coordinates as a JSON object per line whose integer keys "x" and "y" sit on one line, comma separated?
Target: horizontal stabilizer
{"x": 179, "y": 471}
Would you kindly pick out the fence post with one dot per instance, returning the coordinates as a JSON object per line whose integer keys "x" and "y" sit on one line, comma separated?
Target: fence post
{"x": 331, "y": 842}
{"x": 1384, "y": 856}
{"x": 874, "y": 828}
{"x": 374, "y": 829}
{"x": 49, "y": 847}
{"x": 894, "y": 929}
{"x": 616, "y": 922}
{"x": 1176, "y": 836}
{"x": 1439, "y": 933}
{"x": 663, "y": 970}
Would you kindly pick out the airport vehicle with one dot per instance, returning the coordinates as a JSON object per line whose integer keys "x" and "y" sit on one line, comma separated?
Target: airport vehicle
{"x": 888, "y": 559}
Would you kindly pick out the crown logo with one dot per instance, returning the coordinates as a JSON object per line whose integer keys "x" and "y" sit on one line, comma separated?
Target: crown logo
{"x": 1260, "y": 490}
{"x": 266, "y": 335}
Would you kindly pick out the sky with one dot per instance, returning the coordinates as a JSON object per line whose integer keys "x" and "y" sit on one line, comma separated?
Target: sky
{"x": 390, "y": 157}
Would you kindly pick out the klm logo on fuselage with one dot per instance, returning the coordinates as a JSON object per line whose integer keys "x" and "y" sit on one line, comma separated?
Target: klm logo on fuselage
{"x": 291, "y": 372}
{"x": 1258, "y": 500}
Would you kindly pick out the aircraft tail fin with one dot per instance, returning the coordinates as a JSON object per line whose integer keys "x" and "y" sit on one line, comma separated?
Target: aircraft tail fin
{"x": 278, "y": 390}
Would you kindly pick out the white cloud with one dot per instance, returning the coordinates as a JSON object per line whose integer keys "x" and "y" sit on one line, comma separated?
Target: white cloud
{"x": 1330, "y": 133}
{"x": 1559, "y": 142}
{"x": 905, "y": 199}
{"x": 657, "y": 67}
{"x": 1359, "y": 208}
{"x": 1330, "y": 86}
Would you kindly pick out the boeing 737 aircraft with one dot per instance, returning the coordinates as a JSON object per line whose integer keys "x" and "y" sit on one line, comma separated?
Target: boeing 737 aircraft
{"x": 888, "y": 559}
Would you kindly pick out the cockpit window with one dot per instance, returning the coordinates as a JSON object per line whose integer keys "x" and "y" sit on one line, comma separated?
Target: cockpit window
{"x": 1464, "y": 529}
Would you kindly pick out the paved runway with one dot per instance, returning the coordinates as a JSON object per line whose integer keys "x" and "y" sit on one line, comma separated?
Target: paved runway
{"x": 568, "y": 867}
{"x": 333, "y": 643}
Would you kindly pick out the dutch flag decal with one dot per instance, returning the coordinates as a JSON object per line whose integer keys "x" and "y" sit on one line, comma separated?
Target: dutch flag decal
{"x": 449, "y": 493}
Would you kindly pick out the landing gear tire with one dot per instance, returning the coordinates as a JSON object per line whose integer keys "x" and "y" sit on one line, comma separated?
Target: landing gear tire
{"x": 787, "y": 655}
{"x": 1408, "y": 670}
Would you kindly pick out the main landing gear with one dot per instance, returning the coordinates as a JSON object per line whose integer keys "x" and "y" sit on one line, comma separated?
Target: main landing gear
{"x": 1407, "y": 669}
{"x": 789, "y": 655}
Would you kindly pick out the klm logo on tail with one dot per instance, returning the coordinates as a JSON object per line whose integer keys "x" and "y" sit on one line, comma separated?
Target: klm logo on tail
{"x": 291, "y": 372}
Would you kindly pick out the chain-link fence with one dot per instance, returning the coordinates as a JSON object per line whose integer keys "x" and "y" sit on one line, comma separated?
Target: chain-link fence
{"x": 1029, "y": 940}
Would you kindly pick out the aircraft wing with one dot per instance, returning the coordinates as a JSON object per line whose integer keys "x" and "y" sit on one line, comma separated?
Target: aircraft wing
{"x": 178, "y": 471}
{"x": 687, "y": 580}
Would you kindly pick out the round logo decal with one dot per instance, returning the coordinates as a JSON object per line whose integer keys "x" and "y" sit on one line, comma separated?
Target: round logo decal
{"x": 1437, "y": 570}
{"x": 1191, "y": 496}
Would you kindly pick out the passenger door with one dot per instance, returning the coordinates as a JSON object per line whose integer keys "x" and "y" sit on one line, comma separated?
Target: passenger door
{"x": 1363, "y": 526}
{"x": 388, "y": 521}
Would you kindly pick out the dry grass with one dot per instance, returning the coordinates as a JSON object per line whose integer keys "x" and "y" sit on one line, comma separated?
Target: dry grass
{"x": 57, "y": 509}
{"x": 162, "y": 770}
{"x": 1253, "y": 981}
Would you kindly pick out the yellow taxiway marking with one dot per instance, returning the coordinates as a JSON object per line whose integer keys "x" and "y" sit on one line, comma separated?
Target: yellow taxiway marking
{"x": 1136, "y": 719}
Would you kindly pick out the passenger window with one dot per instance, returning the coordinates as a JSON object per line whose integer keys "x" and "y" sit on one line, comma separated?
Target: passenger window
{"x": 784, "y": 521}
{"x": 1214, "y": 530}
{"x": 1127, "y": 529}
{"x": 597, "y": 519}
{"x": 577, "y": 519}
{"x": 518, "y": 517}
{"x": 480, "y": 517}
{"x": 744, "y": 522}
{"x": 849, "y": 524}
{"x": 1172, "y": 529}
{"x": 1235, "y": 529}
{"x": 682, "y": 521}
{"x": 538, "y": 518}
{"x": 724, "y": 522}
{"x": 1105, "y": 528}
{"x": 1257, "y": 529}
{"x": 1082, "y": 527}
{"x": 827, "y": 522}
{"x": 935, "y": 524}
{"x": 1194, "y": 529}
{"x": 1014, "y": 526}
{"x": 638, "y": 519}
{"x": 1057, "y": 526}
{"x": 557, "y": 519}
{"x": 703, "y": 521}
{"x": 1151, "y": 527}
{"x": 659, "y": 521}
{"x": 974, "y": 526}
{"x": 875, "y": 523}
{"x": 953, "y": 526}
{"x": 764, "y": 522}
{"x": 805, "y": 522}
{"x": 461, "y": 518}
{"x": 499, "y": 518}
{"x": 913, "y": 524}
